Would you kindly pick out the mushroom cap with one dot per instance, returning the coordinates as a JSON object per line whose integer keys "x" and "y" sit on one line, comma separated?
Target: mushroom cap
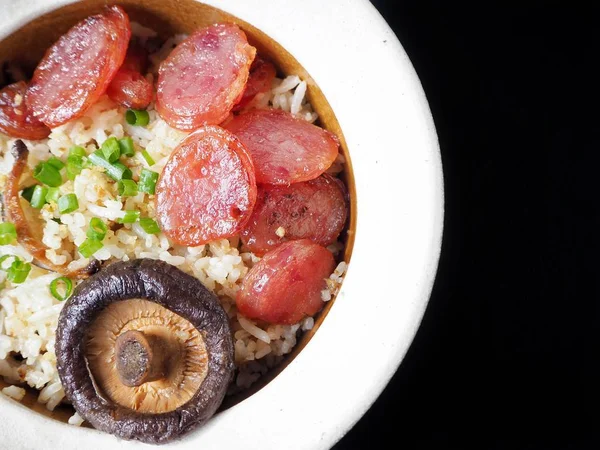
{"x": 162, "y": 291}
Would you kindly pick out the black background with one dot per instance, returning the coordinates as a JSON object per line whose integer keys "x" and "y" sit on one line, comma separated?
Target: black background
{"x": 507, "y": 354}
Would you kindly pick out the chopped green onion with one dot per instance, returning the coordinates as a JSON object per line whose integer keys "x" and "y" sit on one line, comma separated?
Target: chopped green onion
{"x": 126, "y": 145}
{"x": 72, "y": 170}
{"x": 68, "y": 203}
{"x": 38, "y": 199}
{"x": 18, "y": 271}
{"x": 47, "y": 174}
{"x": 65, "y": 285}
{"x": 138, "y": 117}
{"x": 8, "y": 233}
{"x": 76, "y": 161}
{"x": 116, "y": 171}
{"x": 55, "y": 162}
{"x": 77, "y": 150}
{"x": 127, "y": 188}
{"x": 89, "y": 247}
{"x": 148, "y": 180}
{"x": 4, "y": 258}
{"x": 130, "y": 217}
{"x": 147, "y": 157}
{"x": 28, "y": 193}
{"x": 98, "y": 159}
{"x": 97, "y": 229}
{"x": 111, "y": 149}
{"x": 149, "y": 225}
{"x": 122, "y": 171}
{"x": 52, "y": 195}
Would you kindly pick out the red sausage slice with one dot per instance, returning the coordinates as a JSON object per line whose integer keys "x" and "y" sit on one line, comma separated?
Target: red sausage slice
{"x": 78, "y": 68}
{"x": 314, "y": 210}
{"x": 136, "y": 58}
{"x": 16, "y": 120}
{"x": 262, "y": 74}
{"x": 207, "y": 189}
{"x": 286, "y": 284}
{"x": 130, "y": 89}
{"x": 284, "y": 149}
{"x": 204, "y": 77}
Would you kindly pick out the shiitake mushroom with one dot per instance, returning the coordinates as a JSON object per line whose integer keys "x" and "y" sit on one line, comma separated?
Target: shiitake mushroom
{"x": 144, "y": 351}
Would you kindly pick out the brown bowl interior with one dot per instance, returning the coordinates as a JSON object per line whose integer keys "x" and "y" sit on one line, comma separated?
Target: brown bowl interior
{"x": 28, "y": 44}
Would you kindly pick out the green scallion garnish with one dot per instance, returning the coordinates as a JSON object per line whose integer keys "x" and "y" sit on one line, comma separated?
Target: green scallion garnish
{"x": 55, "y": 162}
{"x": 76, "y": 161}
{"x": 148, "y": 179}
{"x": 130, "y": 217}
{"x": 147, "y": 157}
{"x": 117, "y": 171}
{"x": 89, "y": 247}
{"x": 126, "y": 145}
{"x": 121, "y": 172}
{"x": 68, "y": 203}
{"x": 28, "y": 193}
{"x": 8, "y": 233}
{"x": 127, "y": 188}
{"x": 61, "y": 288}
{"x": 4, "y": 258}
{"x": 47, "y": 174}
{"x": 77, "y": 150}
{"x": 111, "y": 150}
{"x": 18, "y": 271}
{"x": 38, "y": 199}
{"x": 52, "y": 195}
{"x": 137, "y": 117}
{"x": 149, "y": 225}
{"x": 97, "y": 229}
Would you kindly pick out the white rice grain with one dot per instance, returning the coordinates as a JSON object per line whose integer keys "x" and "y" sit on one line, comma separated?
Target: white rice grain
{"x": 47, "y": 393}
{"x": 308, "y": 323}
{"x": 14, "y": 392}
{"x": 76, "y": 420}
{"x": 253, "y": 329}
{"x": 297, "y": 98}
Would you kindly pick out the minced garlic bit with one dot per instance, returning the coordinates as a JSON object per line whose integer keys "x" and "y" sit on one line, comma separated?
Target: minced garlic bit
{"x": 280, "y": 232}
{"x": 18, "y": 99}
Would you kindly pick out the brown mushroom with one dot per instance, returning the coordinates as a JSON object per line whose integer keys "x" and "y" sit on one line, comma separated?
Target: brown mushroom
{"x": 28, "y": 235}
{"x": 144, "y": 351}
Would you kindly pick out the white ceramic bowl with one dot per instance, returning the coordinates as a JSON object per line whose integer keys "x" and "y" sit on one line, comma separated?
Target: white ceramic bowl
{"x": 371, "y": 86}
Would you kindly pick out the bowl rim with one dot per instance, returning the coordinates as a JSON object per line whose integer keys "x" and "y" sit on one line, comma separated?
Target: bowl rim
{"x": 365, "y": 46}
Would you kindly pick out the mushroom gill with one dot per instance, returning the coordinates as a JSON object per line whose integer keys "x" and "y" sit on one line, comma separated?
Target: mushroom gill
{"x": 145, "y": 357}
